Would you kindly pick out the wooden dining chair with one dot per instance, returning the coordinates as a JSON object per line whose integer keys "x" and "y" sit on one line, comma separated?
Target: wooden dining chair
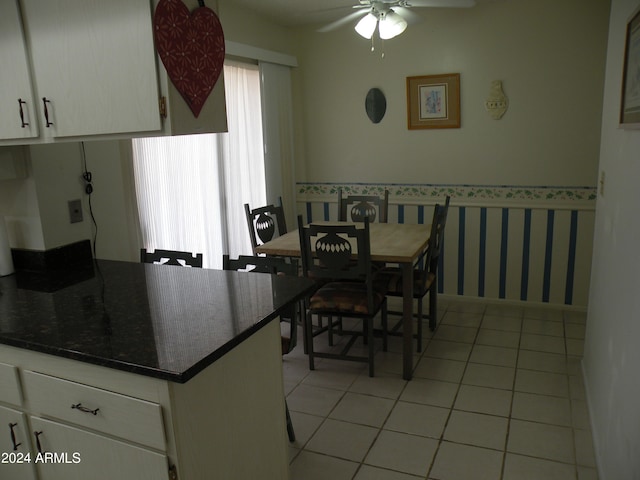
{"x": 275, "y": 266}
{"x": 424, "y": 279}
{"x": 355, "y": 207}
{"x": 339, "y": 257}
{"x": 265, "y": 222}
{"x": 171, "y": 257}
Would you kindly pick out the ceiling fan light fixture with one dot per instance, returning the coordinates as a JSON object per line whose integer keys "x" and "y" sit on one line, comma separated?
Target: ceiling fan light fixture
{"x": 367, "y": 25}
{"x": 391, "y": 25}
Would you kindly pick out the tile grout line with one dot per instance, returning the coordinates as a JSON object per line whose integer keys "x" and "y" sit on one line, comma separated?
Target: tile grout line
{"x": 451, "y": 408}
{"x": 395, "y": 403}
{"x": 513, "y": 394}
{"x": 571, "y": 403}
{"x": 397, "y": 399}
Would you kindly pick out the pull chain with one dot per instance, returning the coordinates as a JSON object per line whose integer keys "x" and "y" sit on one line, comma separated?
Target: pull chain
{"x": 373, "y": 45}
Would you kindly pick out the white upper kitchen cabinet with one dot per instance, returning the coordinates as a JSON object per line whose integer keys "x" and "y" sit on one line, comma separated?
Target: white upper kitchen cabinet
{"x": 75, "y": 70}
{"x": 17, "y": 109}
{"x": 93, "y": 66}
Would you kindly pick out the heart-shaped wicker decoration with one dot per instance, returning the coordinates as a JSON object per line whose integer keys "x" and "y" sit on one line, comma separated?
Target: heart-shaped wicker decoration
{"x": 191, "y": 47}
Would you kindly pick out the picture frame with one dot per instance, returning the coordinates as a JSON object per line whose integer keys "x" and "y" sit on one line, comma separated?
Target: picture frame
{"x": 630, "y": 101}
{"x": 433, "y": 101}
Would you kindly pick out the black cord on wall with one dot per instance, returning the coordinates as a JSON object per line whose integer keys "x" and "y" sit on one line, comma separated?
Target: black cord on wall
{"x": 88, "y": 189}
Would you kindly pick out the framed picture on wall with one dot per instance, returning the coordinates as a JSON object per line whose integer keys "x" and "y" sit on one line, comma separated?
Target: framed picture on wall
{"x": 433, "y": 101}
{"x": 630, "y": 104}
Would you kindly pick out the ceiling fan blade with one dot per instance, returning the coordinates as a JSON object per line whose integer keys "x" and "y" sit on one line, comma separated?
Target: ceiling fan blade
{"x": 441, "y": 3}
{"x": 410, "y": 17}
{"x": 344, "y": 20}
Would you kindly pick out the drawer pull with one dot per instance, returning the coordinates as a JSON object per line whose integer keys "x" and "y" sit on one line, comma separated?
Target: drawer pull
{"x": 13, "y": 436}
{"x": 22, "y": 102}
{"x": 78, "y": 406}
{"x": 38, "y": 446}
{"x": 46, "y": 111}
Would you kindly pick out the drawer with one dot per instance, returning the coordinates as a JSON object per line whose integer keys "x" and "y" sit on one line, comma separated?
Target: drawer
{"x": 96, "y": 457}
{"x": 101, "y": 410}
{"x": 9, "y": 385}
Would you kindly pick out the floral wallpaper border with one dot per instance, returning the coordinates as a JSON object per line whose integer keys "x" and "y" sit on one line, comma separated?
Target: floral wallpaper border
{"x": 471, "y": 193}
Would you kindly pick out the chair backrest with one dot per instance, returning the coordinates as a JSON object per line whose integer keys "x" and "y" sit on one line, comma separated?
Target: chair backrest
{"x": 337, "y": 252}
{"x": 440, "y": 219}
{"x": 273, "y": 265}
{"x": 431, "y": 253}
{"x": 171, "y": 257}
{"x": 264, "y": 223}
{"x": 436, "y": 238}
{"x": 355, "y": 207}
{"x": 444, "y": 209}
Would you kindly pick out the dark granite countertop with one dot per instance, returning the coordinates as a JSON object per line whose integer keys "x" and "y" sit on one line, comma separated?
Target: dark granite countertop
{"x": 156, "y": 320}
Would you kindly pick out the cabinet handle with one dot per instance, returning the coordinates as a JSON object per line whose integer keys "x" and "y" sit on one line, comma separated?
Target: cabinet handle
{"x": 38, "y": 445}
{"x": 78, "y": 406}
{"x": 22, "y": 102}
{"x": 46, "y": 111}
{"x": 13, "y": 436}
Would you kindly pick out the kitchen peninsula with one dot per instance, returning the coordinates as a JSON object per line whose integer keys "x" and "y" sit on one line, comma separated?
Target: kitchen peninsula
{"x": 146, "y": 372}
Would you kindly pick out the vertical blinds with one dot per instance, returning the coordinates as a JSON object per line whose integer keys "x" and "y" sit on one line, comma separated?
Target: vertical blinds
{"x": 191, "y": 189}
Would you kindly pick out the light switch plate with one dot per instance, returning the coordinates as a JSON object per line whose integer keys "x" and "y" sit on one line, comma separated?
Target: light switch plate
{"x": 75, "y": 211}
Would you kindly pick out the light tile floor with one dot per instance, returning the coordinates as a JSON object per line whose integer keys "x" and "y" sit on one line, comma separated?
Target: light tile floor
{"x": 497, "y": 394}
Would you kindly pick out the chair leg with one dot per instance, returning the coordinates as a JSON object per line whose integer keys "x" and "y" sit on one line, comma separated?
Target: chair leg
{"x": 303, "y": 321}
{"x": 433, "y": 308}
{"x": 309, "y": 340}
{"x": 420, "y": 310}
{"x": 330, "y": 330}
{"x": 384, "y": 320}
{"x": 290, "y": 432}
{"x": 365, "y": 332}
{"x": 369, "y": 333}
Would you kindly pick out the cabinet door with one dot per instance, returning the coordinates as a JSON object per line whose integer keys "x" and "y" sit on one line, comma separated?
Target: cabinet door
{"x": 15, "y": 94}
{"x": 69, "y": 453}
{"x": 14, "y": 446}
{"x": 94, "y": 62}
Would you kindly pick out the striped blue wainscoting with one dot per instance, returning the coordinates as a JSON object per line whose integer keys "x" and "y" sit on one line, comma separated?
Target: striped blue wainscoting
{"x": 514, "y": 243}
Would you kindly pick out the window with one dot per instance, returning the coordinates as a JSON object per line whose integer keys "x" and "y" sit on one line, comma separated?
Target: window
{"x": 191, "y": 189}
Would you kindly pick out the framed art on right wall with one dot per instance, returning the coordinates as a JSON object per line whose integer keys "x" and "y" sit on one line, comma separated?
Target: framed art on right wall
{"x": 630, "y": 104}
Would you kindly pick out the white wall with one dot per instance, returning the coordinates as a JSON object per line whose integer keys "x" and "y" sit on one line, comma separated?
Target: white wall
{"x": 248, "y": 28}
{"x": 37, "y": 210}
{"x": 612, "y": 356}
{"x": 19, "y": 202}
{"x": 113, "y": 200}
{"x": 549, "y": 55}
{"x": 57, "y": 173}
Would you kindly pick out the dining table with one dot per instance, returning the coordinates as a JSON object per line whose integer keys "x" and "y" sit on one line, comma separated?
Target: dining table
{"x": 394, "y": 243}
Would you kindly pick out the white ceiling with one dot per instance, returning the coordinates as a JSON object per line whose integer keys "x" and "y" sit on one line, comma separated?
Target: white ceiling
{"x": 304, "y": 12}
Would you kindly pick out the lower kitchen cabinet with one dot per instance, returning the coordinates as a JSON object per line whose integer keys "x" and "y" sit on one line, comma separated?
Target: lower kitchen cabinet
{"x": 16, "y": 461}
{"x": 92, "y": 422}
{"x": 69, "y": 453}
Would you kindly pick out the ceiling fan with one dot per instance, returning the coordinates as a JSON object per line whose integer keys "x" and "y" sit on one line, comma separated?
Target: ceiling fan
{"x": 389, "y": 17}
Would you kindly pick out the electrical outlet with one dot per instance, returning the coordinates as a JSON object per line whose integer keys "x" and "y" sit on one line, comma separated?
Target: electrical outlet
{"x": 75, "y": 211}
